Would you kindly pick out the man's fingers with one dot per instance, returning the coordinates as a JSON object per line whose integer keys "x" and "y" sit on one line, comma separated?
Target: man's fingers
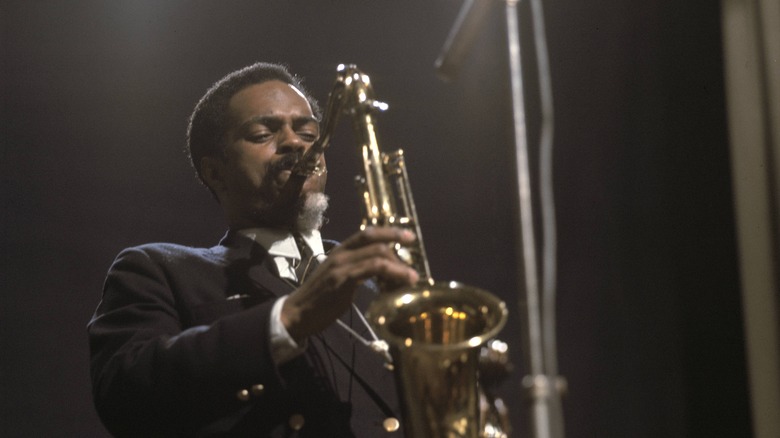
{"x": 379, "y": 234}
{"x": 385, "y": 268}
{"x": 329, "y": 290}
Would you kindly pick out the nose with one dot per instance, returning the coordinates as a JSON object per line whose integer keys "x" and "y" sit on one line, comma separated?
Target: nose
{"x": 290, "y": 141}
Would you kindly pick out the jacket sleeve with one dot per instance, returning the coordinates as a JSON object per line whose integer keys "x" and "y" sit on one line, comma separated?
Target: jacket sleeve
{"x": 153, "y": 375}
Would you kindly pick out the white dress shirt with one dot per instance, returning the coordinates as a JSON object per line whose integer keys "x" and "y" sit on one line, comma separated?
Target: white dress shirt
{"x": 281, "y": 245}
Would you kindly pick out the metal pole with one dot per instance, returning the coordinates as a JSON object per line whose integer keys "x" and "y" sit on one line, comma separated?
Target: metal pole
{"x": 541, "y": 383}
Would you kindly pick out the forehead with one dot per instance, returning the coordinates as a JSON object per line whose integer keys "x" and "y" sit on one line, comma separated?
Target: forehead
{"x": 271, "y": 98}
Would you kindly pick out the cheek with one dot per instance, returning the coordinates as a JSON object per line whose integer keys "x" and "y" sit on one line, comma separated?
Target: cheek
{"x": 240, "y": 179}
{"x": 249, "y": 168}
{"x": 316, "y": 183}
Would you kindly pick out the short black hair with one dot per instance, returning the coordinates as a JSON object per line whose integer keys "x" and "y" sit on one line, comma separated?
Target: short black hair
{"x": 209, "y": 121}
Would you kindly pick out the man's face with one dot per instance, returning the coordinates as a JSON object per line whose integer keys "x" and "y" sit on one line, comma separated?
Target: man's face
{"x": 271, "y": 125}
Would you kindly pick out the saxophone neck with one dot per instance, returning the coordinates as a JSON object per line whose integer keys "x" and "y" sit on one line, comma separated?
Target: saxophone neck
{"x": 384, "y": 182}
{"x": 351, "y": 94}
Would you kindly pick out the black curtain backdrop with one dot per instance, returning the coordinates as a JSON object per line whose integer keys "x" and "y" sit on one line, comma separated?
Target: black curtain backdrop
{"x": 95, "y": 99}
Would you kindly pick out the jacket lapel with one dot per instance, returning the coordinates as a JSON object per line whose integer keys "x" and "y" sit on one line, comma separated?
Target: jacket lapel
{"x": 250, "y": 262}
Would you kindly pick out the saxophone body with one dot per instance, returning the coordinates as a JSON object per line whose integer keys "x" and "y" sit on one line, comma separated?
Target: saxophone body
{"x": 435, "y": 330}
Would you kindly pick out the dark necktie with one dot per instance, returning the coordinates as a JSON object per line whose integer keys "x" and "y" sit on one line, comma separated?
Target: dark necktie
{"x": 307, "y": 263}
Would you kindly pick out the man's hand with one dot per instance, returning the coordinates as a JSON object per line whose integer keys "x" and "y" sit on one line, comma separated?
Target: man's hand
{"x": 330, "y": 289}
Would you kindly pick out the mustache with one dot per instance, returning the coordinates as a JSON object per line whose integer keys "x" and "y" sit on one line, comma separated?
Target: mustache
{"x": 286, "y": 162}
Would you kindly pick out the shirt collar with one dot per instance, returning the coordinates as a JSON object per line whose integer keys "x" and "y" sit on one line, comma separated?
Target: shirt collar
{"x": 282, "y": 243}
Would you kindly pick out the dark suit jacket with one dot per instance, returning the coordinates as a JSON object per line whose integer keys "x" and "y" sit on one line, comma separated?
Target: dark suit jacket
{"x": 180, "y": 347}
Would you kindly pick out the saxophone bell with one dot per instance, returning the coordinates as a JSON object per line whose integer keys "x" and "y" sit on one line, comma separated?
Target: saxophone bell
{"x": 436, "y": 334}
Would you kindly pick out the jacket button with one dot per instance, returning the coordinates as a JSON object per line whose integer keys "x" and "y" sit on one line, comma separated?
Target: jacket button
{"x": 242, "y": 395}
{"x": 257, "y": 390}
{"x": 296, "y": 422}
{"x": 391, "y": 424}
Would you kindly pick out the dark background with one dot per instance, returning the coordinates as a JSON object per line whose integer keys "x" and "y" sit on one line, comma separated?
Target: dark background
{"x": 95, "y": 98}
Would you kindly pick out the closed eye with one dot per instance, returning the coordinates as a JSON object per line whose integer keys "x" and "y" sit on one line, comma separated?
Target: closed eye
{"x": 260, "y": 138}
{"x": 307, "y": 136}
{"x": 261, "y": 129}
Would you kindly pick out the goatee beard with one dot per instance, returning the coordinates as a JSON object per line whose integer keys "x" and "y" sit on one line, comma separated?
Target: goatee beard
{"x": 311, "y": 212}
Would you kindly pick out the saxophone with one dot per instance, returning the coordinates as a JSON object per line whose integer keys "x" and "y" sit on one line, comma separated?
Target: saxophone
{"x": 435, "y": 330}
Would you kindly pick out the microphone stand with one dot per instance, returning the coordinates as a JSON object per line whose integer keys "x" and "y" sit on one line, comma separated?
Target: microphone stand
{"x": 542, "y": 385}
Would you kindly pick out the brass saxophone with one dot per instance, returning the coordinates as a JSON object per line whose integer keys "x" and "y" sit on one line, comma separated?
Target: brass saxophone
{"x": 435, "y": 330}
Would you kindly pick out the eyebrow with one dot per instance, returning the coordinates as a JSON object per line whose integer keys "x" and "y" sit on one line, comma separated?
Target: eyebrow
{"x": 272, "y": 121}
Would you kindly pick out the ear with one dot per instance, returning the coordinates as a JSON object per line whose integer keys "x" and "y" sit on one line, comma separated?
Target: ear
{"x": 213, "y": 171}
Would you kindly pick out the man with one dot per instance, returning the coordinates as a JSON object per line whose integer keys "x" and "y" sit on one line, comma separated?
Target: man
{"x": 233, "y": 340}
